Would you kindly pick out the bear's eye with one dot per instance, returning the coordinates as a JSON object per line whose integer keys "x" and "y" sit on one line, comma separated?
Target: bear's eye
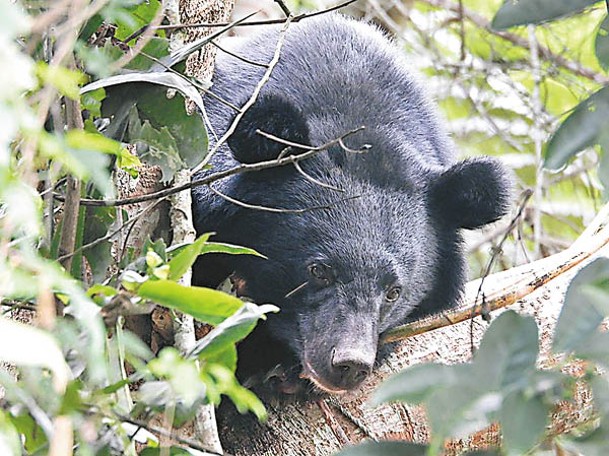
{"x": 321, "y": 273}
{"x": 393, "y": 294}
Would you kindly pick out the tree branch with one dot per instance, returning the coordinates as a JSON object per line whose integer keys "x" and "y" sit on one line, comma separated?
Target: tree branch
{"x": 243, "y": 168}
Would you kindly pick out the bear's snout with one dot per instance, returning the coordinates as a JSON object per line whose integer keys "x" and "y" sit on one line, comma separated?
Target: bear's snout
{"x": 351, "y": 367}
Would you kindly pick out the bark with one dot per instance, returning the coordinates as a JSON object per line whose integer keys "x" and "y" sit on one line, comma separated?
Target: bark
{"x": 321, "y": 428}
{"x": 201, "y": 63}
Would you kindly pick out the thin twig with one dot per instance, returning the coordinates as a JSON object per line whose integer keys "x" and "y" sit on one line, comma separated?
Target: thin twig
{"x": 160, "y": 431}
{"x": 316, "y": 181}
{"x": 284, "y": 8}
{"x": 240, "y": 57}
{"x": 265, "y": 77}
{"x": 297, "y": 18}
{"x": 278, "y": 210}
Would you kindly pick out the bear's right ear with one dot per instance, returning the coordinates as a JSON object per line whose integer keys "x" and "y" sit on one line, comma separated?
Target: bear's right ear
{"x": 472, "y": 193}
{"x": 272, "y": 114}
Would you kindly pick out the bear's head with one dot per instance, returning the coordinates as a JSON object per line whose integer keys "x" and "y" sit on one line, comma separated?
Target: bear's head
{"x": 353, "y": 250}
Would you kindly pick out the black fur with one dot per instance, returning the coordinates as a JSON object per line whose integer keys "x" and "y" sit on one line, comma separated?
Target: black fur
{"x": 271, "y": 114}
{"x": 396, "y": 222}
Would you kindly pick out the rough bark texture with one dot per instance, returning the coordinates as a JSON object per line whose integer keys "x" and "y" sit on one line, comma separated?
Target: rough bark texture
{"x": 321, "y": 428}
{"x": 200, "y": 64}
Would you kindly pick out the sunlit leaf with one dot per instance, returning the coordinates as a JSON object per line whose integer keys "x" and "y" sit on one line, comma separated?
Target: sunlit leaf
{"x": 204, "y": 304}
{"x": 25, "y": 345}
{"x": 219, "y": 247}
{"x": 601, "y": 45}
{"x": 186, "y": 257}
{"x": 66, "y": 81}
{"x": 231, "y": 330}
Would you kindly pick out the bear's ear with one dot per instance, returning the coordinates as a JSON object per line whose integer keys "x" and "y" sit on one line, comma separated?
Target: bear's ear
{"x": 472, "y": 193}
{"x": 272, "y": 114}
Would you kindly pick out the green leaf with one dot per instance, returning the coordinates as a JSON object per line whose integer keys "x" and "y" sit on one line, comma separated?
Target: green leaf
{"x": 92, "y": 101}
{"x": 25, "y": 345}
{"x": 460, "y": 409}
{"x": 508, "y": 352}
{"x": 10, "y": 443}
{"x": 231, "y": 330}
{"x": 388, "y": 448}
{"x": 520, "y": 12}
{"x": 219, "y": 247}
{"x": 523, "y": 422}
{"x": 137, "y": 16}
{"x": 170, "y": 80}
{"x": 99, "y": 256}
{"x": 414, "y": 384}
{"x": 183, "y": 260}
{"x": 188, "y": 131}
{"x": 66, "y": 81}
{"x": 226, "y": 383}
{"x": 34, "y": 436}
{"x": 226, "y": 358}
{"x": 586, "y": 305}
{"x": 81, "y": 139}
{"x": 601, "y": 44}
{"x": 204, "y": 304}
{"x": 595, "y": 347}
{"x": 580, "y": 130}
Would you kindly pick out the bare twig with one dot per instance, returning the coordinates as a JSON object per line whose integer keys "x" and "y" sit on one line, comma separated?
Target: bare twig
{"x": 164, "y": 432}
{"x": 537, "y": 139}
{"x": 284, "y": 8}
{"x": 277, "y": 209}
{"x": 245, "y": 167}
{"x": 265, "y": 77}
{"x": 237, "y": 56}
{"x": 316, "y": 181}
{"x": 265, "y": 22}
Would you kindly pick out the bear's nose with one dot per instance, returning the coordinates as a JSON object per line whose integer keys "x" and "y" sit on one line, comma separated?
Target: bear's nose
{"x": 351, "y": 366}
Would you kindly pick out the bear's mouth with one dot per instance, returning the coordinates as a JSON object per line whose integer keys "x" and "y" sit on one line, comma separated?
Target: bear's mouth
{"x": 309, "y": 373}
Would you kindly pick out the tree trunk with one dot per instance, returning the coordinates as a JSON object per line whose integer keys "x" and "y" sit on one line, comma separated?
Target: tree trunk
{"x": 323, "y": 427}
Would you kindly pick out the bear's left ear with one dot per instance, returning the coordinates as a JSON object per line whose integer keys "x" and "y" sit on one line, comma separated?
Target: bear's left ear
{"x": 274, "y": 114}
{"x": 471, "y": 193}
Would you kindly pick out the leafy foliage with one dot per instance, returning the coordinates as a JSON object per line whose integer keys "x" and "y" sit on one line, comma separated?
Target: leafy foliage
{"x": 79, "y": 374}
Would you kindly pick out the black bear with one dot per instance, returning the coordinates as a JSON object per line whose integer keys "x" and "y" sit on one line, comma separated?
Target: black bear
{"x": 360, "y": 238}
